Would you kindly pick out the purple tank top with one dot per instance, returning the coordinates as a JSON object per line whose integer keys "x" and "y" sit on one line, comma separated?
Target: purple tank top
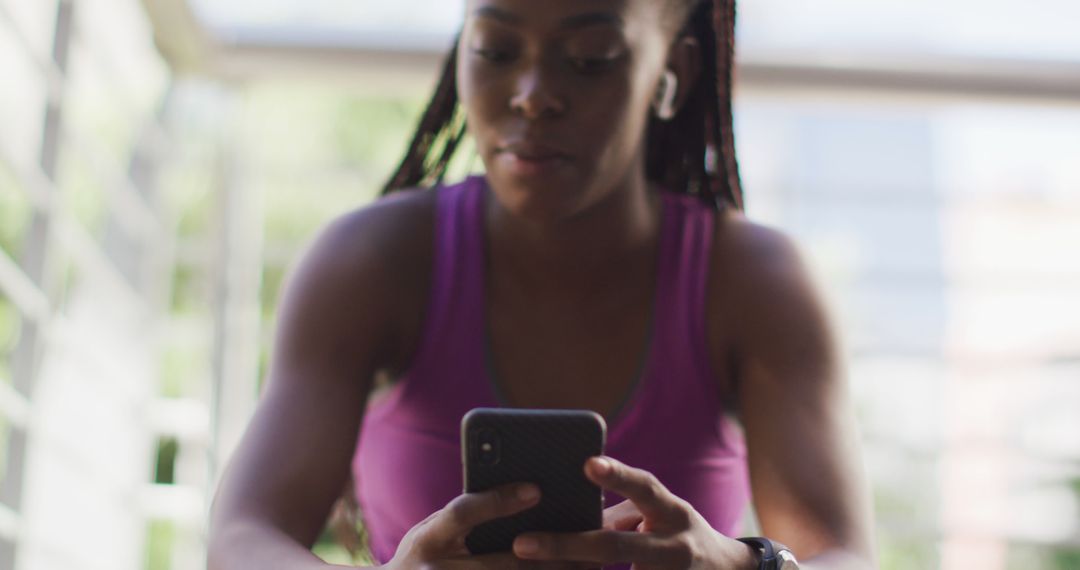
{"x": 408, "y": 459}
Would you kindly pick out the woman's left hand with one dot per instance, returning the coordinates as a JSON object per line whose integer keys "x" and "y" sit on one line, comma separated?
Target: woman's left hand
{"x": 652, "y": 529}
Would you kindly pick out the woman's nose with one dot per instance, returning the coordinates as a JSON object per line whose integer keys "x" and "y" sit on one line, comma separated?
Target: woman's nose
{"x": 534, "y": 97}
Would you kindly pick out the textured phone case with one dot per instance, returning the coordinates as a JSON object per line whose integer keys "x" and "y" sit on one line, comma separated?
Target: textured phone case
{"x": 545, "y": 447}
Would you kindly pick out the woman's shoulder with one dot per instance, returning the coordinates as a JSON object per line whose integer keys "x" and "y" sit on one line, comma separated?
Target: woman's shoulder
{"x": 374, "y": 257}
{"x": 365, "y": 277}
{"x": 379, "y": 242}
{"x": 752, "y": 249}
{"x": 763, "y": 304}
{"x": 392, "y": 225}
{"x": 755, "y": 265}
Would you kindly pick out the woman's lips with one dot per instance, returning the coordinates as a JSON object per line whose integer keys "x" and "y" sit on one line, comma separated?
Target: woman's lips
{"x": 531, "y": 160}
{"x": 531, "y": 165}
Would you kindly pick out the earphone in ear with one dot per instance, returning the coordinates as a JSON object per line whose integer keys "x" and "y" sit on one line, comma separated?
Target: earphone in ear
{"x": 665, "y": 95}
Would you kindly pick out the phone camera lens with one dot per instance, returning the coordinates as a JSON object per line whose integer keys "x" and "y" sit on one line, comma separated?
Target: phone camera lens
{"x": 487, "y": 447}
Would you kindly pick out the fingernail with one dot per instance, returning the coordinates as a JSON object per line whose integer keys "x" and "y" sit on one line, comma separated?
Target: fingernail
{"x": 528, "y": 493}
{"x": 526, "y": 545}
{"x": 602, "y": 466}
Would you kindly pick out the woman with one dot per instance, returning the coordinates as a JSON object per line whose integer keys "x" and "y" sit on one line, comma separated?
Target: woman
{"x": 601, "y": 263}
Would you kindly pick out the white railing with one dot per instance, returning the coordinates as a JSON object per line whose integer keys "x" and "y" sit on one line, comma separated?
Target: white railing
{"x": 81, "y": 409}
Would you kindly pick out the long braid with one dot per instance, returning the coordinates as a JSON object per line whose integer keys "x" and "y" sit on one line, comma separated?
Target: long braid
{"x": 442, "y": 125}
{"x": 677, "y": 150}
{"x": 728, "y": 171}
{"x": 694, "y": 153}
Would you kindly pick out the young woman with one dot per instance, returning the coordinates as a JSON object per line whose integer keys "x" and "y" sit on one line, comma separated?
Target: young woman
{"x": 601, "y": 263}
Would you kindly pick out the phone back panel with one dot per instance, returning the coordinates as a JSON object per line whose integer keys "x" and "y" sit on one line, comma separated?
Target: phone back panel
{"x": 545, "y": 447}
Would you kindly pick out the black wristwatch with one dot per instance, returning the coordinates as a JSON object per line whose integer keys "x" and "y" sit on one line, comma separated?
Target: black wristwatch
{"x": 774, "y": 556}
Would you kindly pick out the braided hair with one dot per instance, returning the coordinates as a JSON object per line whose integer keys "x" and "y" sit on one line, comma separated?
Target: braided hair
{"x": 694, "y": 153}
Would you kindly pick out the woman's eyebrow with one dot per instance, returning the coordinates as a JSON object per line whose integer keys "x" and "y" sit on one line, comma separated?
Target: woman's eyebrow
{"x": 572, "y": 22}
{"x": 592, "y": 19}
{"x": 497, "y": 14}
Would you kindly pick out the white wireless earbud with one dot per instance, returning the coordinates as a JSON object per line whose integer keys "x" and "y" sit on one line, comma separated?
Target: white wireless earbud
{"x": 665, "y": 95}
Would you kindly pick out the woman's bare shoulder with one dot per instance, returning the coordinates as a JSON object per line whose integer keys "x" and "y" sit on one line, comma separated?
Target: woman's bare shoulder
{"x": 366, "y": 275}
{"x": 391, "y": 232}
{"x": 760, "y": 288}
{"x": 747, "y": 253}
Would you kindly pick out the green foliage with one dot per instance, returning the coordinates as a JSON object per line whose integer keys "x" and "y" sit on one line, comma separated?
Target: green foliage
{"x": 181, "y": 367}
{"x": 68, "y": 279}
{"x": 1070, "y": 558}
{"x": 317, "y": 154}
{"x": 160, "y": 537}
{"x": 908, "y": 503}
{"x": 264, "y": 366}
{"x": 165, "y": 467}
{"x": 330, "y": 549}
{"x": 189, "y": 195}
{"x": 82, "y": 190}
{"x": 1042, "y": 557}
{"x": 5, "y": 437}
{"x": 188, "y": 291}
{"x": 372, "y": 134}
{"x": 895, "y": 553}
{"x": 1034, "y": 556}
{"x": 273, "y": 278}
{"x": 196, "y": 218}
{"x": 10, "y": 323}
{"x": 15, "y": 213}
{"x": 1067, "y": 559}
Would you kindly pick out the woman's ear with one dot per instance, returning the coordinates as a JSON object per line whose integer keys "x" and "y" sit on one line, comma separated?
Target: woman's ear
{"x": 684, "y": 61}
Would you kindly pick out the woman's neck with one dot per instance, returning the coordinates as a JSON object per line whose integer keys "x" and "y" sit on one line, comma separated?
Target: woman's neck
{"x": 605, "y": 242}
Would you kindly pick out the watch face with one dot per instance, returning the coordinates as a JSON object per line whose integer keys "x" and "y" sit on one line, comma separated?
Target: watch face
{"x": 785, "y": 560}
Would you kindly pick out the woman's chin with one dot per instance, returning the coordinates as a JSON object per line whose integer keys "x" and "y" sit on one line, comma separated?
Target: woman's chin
{"x": 546, "y": 202}
{"x": 536, "y": 209}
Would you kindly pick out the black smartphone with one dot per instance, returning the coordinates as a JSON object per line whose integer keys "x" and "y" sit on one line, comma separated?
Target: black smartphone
{"x": 544, "y": 447}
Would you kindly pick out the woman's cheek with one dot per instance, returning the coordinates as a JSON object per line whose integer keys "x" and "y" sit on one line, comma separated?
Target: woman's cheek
{"x": 484, "y": 100}
{"x": 612, "y": 98}
{"x": 614, "y": 114}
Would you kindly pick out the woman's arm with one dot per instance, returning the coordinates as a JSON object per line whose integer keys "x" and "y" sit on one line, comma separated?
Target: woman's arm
{"x": 334, "y": 330}
{"x": 768, "y": 329}
{"x": 354, "y": 306}
{"x": 809, "y": 488}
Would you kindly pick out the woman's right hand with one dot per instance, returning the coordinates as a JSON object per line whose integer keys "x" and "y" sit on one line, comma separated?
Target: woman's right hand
{"x": 438, "y": 542}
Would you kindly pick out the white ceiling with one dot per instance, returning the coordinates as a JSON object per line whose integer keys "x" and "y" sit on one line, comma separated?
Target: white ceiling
{"x": 998, "y": 29}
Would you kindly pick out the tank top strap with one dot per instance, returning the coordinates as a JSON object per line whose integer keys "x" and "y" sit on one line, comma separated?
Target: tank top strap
{"x": 448, "y": 366}
{"x": 682, "y": 287}
{"x": 457, "y": 283}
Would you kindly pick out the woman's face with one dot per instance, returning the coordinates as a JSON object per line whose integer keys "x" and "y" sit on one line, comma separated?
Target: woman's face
{"x": 557, "y": 94}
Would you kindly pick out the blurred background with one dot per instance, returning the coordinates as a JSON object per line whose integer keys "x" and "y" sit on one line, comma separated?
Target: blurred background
{"x": 163, "y": 162}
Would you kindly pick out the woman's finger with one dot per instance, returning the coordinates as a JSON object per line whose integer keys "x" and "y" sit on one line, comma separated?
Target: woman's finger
{"x": 455, "y": 520}
{"x": 625, "y": 516}
{"x": 503, "y": 561}
{"x": 596, "y": 547}
{"x": 641, "y": 487}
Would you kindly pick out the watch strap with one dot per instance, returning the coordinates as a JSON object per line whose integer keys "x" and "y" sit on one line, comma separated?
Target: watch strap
{"x": 768, "y": 548}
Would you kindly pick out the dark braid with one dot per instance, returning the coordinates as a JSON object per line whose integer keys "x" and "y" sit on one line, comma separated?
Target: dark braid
{"x": 693, "y": 153}
{"x": 437, "y": 136}
{"x": 724, "y": 24}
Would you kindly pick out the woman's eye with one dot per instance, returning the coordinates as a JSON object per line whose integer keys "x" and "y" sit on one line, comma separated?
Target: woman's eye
{"x": 493, "y": 55}
{"x": 593, "y": 64}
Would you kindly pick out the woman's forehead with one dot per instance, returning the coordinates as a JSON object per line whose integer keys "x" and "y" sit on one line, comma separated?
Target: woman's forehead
{"x": 565, "y": 13}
